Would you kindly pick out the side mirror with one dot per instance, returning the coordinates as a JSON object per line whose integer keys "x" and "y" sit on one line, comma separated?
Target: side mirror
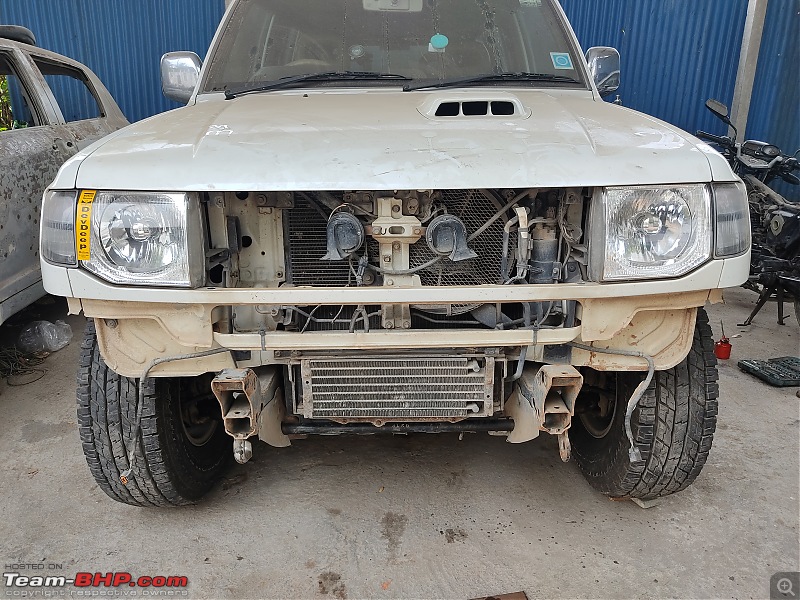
{"x": 721, "y": 112}
{"x": 180, "y": 72}
{"x": 719, "y": 109}
{"x": 604, "y": 66}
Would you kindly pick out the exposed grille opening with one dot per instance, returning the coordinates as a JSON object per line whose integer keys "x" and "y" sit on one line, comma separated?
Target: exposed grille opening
{"x": 307, "y": 237}
{"x": 476, "y": 108}
{"x": 554, "y": 220}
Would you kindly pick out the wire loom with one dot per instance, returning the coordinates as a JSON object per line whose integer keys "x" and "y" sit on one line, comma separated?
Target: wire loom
{"x": 15, "y": 367}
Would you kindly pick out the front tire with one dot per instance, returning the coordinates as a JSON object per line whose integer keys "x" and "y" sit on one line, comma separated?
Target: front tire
{"x": 182, "y": 448}
{"x": 673, "y": 426}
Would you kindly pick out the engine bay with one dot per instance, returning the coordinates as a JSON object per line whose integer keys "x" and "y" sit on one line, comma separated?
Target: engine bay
{"x": 398, "y": 239}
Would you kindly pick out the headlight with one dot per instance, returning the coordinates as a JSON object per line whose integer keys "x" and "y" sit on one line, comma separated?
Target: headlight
{"x": 650, "y": 232}
{"x": 58, "y": 228}
{"x": 732, "y": 217}
{"x": 142, "y": 238}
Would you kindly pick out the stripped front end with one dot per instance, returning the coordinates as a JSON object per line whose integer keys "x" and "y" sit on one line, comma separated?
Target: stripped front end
{"x": 396, "y": 311}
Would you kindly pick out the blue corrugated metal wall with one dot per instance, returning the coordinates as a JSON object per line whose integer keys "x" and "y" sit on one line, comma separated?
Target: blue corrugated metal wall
{"x": 120, "y": 40}
{"x": 678, "y": 53}
{"x": 775, "y": 108}
{"x": 675, "y": 53}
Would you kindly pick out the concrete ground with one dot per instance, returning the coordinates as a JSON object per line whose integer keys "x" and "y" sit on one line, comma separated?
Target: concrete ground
{"x": 422, "y": 517}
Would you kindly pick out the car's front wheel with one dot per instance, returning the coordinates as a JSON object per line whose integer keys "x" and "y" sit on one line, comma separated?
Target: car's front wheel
{"x": 673, "y": 426}
{"x": 181, "y": 447}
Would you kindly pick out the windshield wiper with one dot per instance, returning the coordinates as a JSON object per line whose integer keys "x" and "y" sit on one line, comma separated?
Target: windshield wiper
{"x": 328, "y": 76}
{"x": 488, "y": 78}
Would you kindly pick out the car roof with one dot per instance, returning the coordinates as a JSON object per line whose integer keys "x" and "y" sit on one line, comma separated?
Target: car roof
{"x": 6, "y": 43}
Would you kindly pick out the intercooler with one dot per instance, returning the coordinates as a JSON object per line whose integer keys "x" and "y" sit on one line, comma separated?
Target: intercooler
{"x": 386, "y": 389}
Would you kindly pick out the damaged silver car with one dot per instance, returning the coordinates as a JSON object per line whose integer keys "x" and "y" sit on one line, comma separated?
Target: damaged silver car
{"x": 50, "y": 108}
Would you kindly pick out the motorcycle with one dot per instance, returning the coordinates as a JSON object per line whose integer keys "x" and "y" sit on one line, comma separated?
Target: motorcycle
{"x": 775, "y": 221}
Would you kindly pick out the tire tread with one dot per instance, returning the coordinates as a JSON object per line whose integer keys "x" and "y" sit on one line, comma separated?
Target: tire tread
{"x": 107, "y": 404}
{"x": 673, "y": 426}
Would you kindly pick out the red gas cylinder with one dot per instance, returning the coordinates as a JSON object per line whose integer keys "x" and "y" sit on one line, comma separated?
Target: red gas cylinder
{"x": 722, "y": 349}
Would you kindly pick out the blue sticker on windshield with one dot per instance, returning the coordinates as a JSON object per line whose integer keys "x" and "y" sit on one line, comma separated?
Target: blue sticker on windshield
{"x": 438, "y": 43}
{"x": 562, "y": 60}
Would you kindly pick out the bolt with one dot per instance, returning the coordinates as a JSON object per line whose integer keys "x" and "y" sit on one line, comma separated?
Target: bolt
{"x": 111, "y": 323}
{"x": 406, "y": 324}
{"x": 417, "y": 231}
{"x": 278, "y": 353}
{"x": 396, "y": 245}
{"x": 389, "y": 325}
{"x": 396, "y": 208}
{"x": 296, "y": 353}
{"x": 387, "y": 259}
{"x": 279, "y": 274}
{"x": 390, "y": 282}
{"x": 571, "y": 267}
{"x": 377, "y": 231}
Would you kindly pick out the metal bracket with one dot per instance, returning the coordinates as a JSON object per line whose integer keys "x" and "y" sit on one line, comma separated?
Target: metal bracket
{"x": 250, "y": 401}
{"x": 395, "y": 232}
{"x": 544, "y": 400}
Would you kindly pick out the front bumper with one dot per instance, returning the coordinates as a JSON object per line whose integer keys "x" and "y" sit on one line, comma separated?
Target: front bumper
{"x": 653, "y": 317}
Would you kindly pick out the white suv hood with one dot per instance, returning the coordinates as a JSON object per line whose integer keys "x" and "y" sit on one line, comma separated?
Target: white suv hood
{"x": 385, "y": 139}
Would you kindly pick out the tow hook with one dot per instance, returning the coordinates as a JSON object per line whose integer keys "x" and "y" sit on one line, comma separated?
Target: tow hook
{"x": 564, "y": 447}
{"x": 242, "y": 451}
{"x": 252, "y": 405}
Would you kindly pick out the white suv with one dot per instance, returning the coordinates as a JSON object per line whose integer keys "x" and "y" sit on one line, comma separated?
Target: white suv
{"x": 394, "y": 216}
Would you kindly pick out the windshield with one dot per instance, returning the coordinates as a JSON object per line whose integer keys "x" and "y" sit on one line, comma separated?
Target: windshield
{"x": 420, "y": 40}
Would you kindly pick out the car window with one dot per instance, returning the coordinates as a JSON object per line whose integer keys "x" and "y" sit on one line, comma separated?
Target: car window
{"x": 15, "y": 104}
{"x": 71, "y": 91}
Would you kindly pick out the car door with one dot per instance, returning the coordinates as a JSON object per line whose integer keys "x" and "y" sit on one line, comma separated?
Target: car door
{"x": 80, "y": 100}
{"x": 64, "y": 108}
{"x": 29, "y": 160}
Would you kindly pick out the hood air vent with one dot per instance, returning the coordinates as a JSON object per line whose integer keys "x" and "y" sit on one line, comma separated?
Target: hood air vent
{"x": 476, "y": 108}
{"x": 487, "y": 105}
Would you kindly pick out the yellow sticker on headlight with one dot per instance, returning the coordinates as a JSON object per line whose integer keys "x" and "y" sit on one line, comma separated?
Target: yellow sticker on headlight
{"x": 83, "y": 224}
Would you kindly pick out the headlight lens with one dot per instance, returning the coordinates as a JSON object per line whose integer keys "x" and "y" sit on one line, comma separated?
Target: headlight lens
{"x": 732, "y": 217}
{"x": 58, "y": 228}
{"x": 146, "y": 239}
{"x": 651, "y": 232}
